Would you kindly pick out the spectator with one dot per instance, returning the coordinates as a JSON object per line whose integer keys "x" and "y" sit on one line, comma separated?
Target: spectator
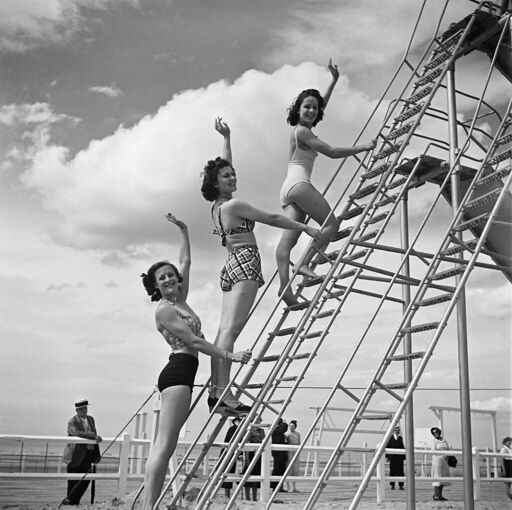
{"x": 506, "y": 463}
{"x": 83, "y": 457}
{"x": 229, "y": 434}
{"x": 256, "y": 435}
{"x": 440, "y": 466}
{"x": 293, "y": 437}
{"x": 280, "y": 457}
{"x": 396, "y": 460}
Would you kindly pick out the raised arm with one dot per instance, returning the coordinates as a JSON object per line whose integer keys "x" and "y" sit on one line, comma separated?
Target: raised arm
{"x": 245, "y": 210}
{"x": 333, "y": 69}
{"x": 305, "y": 136}
{"x": 184, "y": 255}
{"x": 224, "y": 130}
{"x": 166, "y": 316}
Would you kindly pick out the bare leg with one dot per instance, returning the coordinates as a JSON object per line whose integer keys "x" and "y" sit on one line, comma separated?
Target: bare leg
{"x": 288, "y": 240}
{"x": 173, "y": 413}
{"x": 308, "y": 199}
{"x": 236, "y": 305}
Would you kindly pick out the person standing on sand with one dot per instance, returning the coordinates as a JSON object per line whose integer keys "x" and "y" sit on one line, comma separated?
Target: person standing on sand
{"x": 83, "y": 457}
{"x": 293, "y": 437}
{"x": 440, "y": 466}
{"x": 396, "y": 460}
{"x": 506, "y": 463}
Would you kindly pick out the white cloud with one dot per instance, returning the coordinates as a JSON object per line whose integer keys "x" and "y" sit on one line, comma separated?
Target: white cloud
{"x": 25, "y": 24}
{"x": 493, "y": 404}
{"x": 114, "y": 192}
{"x": 107, "y": 90}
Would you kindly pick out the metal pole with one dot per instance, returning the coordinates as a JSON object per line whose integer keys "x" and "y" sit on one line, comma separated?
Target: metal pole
{"x": 407, "y": 348}
{"x": 462, "y": 340}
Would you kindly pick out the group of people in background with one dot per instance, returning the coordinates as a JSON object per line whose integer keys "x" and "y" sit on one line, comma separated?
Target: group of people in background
{"x": 283, "y": 433}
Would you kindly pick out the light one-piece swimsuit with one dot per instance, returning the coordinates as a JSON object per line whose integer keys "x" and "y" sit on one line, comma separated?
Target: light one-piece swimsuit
{"x": 300, "y": 168}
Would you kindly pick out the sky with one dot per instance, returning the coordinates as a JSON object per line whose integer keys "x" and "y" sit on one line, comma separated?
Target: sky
{"x": 106, "y": 120}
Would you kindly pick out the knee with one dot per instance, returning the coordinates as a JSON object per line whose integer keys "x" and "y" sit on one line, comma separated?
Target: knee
{"x": 332, "y": 226}
{"x": 229, "y": 333}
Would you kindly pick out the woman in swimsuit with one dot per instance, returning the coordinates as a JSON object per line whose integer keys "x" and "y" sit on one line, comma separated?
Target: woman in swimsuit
{"x": 234, "y": 221}
{"x": 181, "y": 329}
{"x": 299, "y": 198}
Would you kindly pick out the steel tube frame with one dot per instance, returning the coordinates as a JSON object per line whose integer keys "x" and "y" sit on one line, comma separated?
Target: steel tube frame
{"x": 462, "y": 336}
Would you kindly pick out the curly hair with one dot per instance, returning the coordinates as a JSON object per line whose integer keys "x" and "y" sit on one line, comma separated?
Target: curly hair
{"x": 294, "y": 109}
{"x": 210, "y": 177}
{"x": 149, "y": 282}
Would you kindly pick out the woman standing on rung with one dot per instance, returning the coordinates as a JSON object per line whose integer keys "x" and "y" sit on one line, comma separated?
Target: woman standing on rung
{"x": 241, "y": 276}
{"x": 299, "y": 198}
{"x": 181, "y": 329}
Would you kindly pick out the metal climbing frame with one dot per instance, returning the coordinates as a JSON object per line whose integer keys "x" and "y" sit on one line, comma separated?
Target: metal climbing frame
{"x": 386, "y": 178}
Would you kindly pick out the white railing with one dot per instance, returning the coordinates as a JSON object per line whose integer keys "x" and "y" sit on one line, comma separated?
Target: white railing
{"x": 131, "y": 467}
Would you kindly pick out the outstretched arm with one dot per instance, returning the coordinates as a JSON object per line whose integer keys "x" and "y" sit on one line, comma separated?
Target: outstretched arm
{"x": 224, "y": 130}
{"x": 305, "y": 136}
{"x": 184, "y": 256}
{"x": 245, "y": 210}
{"x": 333, "y": 69}
{"x": 170, "y": 320}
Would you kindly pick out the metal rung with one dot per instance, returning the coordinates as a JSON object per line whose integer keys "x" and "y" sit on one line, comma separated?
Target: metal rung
{"x": 378, "y": 170}
{"x": 504, "y": 139}
{"x": 312, "y": 281}
{"x": 289, "y": 378}
{"x": 323, "y": 315}
{"x": 377, "y": 218}
{"x": 356, "y": 255}
{"x": 437, "y": 61}
{"x": 419, "y": 95}
{"x": 435, "y": 300}
{"x": 375, "y": 417}
{"x": 394, "y": 386}
{"x": 346, "y": 274}
{"x": 448, "y": 274}
{"x": 396, "y": 183}
{"x": 411, "y": 112}
{"x": 366, "y": 237}
{"x": 388, "y": 151}
{"x": 274, "y": 402}
{"x": 428, "y": 77}
{"x": 479, "y": 220}
{"x": 300, "y": 306}
{"x": 500, "y": 157}
{"x": 420, "y": 327}
{"x": 254, "y": 386}
{"x": 400, "y": 131}
{"x": 285, "y": 331}
{"x": 271, "y": 357}
{"x": 459, "y": 247}
{"x": 352, "y": 213}
{"x": 327, "y": 257}
{"x": 315, "y": 334}
{"x": 305, "y": 355}
{"x": 387, "y": 200}
{"x": 496, "y": 176}
{"x": 363, "y": 192}
{"x": 483, "y": 199}
{"x": 342, "y": 233}
{"x": 405, "y": 357}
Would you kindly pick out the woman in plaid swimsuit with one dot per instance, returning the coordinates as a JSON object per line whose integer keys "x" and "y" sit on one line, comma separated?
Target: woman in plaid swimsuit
{"x": 241, "y": 276}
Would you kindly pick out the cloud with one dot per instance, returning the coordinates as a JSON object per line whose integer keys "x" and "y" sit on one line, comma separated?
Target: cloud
{"x": 493, "y": 404}
{"x": 112, "y": 194}
{"x": 110, "y": 91}
{"x": 29, "y": 113}
{"x": 26, "y": 24}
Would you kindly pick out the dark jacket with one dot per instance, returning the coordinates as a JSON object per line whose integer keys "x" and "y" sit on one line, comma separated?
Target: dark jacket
{"x": 76, "y": 428}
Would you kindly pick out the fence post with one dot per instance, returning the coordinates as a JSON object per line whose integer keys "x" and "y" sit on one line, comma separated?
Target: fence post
{"x": 476, "y": 473}
{"x": 381, "y": 480}
{"x": 265, "y": 473}
{"x": 124, "y": 456}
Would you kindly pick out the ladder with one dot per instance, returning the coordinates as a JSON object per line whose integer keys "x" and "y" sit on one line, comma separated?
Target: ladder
{"x": 303, "y": 338}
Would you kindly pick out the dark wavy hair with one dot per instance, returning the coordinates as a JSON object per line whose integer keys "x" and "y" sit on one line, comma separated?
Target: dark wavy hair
{"x": 294, "y": 109}
{"x": 210, "y": 177}
{"x": 149, "y": 281}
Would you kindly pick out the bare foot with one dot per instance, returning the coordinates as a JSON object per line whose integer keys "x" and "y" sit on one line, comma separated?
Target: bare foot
{"x": 289, "y": 298}
{"x": 307, "y": 272}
